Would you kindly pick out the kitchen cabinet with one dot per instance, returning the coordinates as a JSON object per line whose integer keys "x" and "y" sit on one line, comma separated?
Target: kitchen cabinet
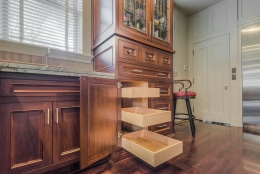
{"x": 99, "y": 119}
{"x": 146, "y": 21}
{"x": 39, "y": 122}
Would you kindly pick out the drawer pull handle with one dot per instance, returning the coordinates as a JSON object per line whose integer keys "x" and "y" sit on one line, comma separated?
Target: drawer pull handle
{"x": 161, "y": 74}
{"x": 48, "y": 117}
{"x": 165, "y": 61}
{"x": 162, "y": 126}
{"x": 163, "y": 91}
{"x": 137, "y": 71}
{"x": 57, "y": 115}
{"x": 163, "y": 108}
{"x": 129, "y": 51}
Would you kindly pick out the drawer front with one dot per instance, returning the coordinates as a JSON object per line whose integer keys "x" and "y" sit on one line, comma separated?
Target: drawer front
{"x": 131, "y": 70}
{"x": 128, "y": 51}
{"x": 161, "y": 104}
{"x": 165, "y": 60}
{"x": 17, "y": 87}
{"x": 149, "y": 56}
{"x": 165, "y": 89}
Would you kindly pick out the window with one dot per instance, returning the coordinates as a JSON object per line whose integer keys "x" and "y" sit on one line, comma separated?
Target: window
{"x": 49, "y": 23}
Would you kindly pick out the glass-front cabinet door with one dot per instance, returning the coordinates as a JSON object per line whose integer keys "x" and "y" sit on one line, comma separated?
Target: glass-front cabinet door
{"x": 149, "y": 19}
{"x": 135, "y": 14}
{"x": 161, "y": 13}
{"x": 134, "y": 17}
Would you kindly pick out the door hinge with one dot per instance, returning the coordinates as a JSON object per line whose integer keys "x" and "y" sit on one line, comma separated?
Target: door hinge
{"x": 193, "y": 80}
{"x": 119, "y": 85}
{"x": 119, "y": 134}
{"x": 193, "y": 109}
{"x": 193, "y": 52}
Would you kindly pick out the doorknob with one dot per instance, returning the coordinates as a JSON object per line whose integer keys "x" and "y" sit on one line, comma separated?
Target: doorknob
{"x": 225, "y": 86}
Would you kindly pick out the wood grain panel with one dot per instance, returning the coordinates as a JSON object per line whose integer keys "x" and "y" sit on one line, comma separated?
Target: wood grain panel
{"x": 15, "y": 87}
{"x": 99, "y": 105}
{"x": 22, "y": 58}
{"x": 30, "y": 136}
{"x": 105, "y": 57}
{"x": 66, "y": 130}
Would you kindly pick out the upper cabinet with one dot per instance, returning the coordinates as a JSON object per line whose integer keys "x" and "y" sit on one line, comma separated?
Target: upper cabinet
{"x": 146, "y": 21}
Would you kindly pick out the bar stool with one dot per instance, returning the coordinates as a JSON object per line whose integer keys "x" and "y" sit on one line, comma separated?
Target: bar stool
{"x": 184, "y": 95}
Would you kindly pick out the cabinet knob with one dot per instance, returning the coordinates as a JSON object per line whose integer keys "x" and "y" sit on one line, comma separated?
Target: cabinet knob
{"x": 150, "y": 56}
{"x": 129, "y": 51}
{"x": 165, "y": 61}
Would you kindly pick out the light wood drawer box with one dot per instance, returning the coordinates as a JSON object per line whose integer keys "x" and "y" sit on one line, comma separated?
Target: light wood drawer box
{"x": 151, "y": 147}
{"x": 128, "y": 50}
{"x": 131, "y": 70}
{"x": 144, "y": 117}
{"x": 140, "y": 92}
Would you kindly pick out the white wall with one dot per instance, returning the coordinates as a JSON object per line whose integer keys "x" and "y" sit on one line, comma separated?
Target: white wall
{"x": 181, "y": 47}
{"x": 226, "y": 17}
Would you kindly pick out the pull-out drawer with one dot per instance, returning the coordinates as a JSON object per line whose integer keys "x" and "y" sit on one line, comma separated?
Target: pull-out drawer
{"x": 151, "y": 147}
{"x": 144, "y": 117}
{"x": 130, "y": 70}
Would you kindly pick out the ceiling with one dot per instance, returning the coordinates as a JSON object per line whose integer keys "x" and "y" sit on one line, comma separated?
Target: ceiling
{"x": 190, "y": 7}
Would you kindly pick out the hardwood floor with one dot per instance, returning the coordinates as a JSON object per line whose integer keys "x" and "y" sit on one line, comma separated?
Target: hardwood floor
{"x": 215, "y": 149}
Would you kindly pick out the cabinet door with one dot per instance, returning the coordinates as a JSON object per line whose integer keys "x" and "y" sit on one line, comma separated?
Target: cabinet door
{"x": 99, "y": 108}
{"x": 65, "y": 130}
{"x": 162, "y": 21}
{"x": 134, "y": 17}
{"x": 27, "y": 137}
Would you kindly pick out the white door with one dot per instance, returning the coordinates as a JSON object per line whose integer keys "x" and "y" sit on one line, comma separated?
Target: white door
{"x": 211, "y": 79}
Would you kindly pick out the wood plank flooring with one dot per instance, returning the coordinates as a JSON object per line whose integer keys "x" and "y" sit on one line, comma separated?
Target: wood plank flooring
{"x": 216, "y": 149}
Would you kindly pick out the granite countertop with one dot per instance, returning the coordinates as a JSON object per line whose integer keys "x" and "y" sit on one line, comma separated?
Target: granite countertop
{"x": 24, "y": 68}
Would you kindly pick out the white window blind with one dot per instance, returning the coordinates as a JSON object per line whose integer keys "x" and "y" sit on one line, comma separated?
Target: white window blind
{"x": 49, "y": 23}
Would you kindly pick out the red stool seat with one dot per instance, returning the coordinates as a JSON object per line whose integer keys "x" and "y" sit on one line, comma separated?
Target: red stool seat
{"x": 182, "y": 94}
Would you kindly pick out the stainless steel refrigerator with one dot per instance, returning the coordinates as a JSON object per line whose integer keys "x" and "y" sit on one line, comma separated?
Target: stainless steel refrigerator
{"x": 250, "y": 41}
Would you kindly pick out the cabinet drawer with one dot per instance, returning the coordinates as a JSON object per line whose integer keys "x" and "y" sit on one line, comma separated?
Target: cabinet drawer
{"x": 149, "y": 56}
{"x": 161, "y": 104}
{"x": 165, "y": 89}
{"x": 127, "y": 50}
{"x": 165, "y": 60}
{"x": 151, "y": 147}
{"x": 17, "y": 87}
{"x": 131, "y": 70}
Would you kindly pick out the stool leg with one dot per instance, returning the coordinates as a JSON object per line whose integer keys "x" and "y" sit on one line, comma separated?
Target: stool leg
{"x": 174, "y": 112}
{"x": 192, "y": 125}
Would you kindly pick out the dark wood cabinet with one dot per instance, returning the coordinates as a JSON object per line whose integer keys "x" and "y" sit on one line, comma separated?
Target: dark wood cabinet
{"x": 99, "y": 119}
{"x": 146, "y": 21}
{"x": 66, "y": 115}
{"x": 39, "y": 122}
{"x": 27, "y": 128}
